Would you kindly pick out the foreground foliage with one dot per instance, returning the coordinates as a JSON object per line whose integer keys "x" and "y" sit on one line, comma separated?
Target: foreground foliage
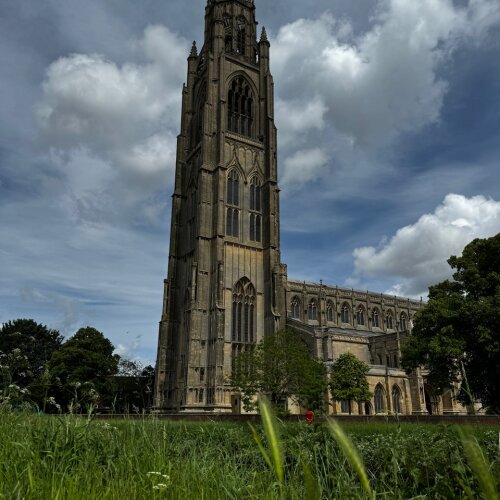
{"x": 73, "y": 457}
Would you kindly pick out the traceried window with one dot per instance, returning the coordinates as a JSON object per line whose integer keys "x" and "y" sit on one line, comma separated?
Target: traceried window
{"x": 313, "y": 311}
{"x": 403, "y": 323}
{"x": 228, "y": 29}
{"x": 389, "y": 322}
{"x": 233, "y": 200}
{"x": 241, "y": 35}
{"x": 255, "y": 209}
{"x": 360, "y": 316}
{"x": 240, "y": 114}
{"x": 345, "y": 316}
{"x": 379, "y": 399}
{"x": 329, "y": 312}
{"x": 375, "y": 318}
{"x": 396, "y": 399}
{"x": 243, "y": 313}
{"x": 295, "y": 309}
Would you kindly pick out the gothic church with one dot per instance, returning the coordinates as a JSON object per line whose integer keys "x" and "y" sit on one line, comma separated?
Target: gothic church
{"x": 226, "y": 285}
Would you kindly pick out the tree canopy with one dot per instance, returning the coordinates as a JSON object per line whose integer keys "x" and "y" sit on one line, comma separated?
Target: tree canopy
{"x": 85, "y": 358}
{"x": 281, "y": 367}
{"x": 34, "y": 342}
{"x": 348, "y": 381}
{"x": 456, "y": 335}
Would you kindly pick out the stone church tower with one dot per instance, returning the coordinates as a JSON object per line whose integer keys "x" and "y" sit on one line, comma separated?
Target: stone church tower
{"x": 226, "y": 285}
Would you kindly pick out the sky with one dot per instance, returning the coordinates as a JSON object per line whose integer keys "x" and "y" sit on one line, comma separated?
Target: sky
{"x": 388, "y": 116}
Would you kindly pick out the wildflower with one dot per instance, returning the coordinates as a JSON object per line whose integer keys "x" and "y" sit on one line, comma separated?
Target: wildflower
{"x": 160, "y": 486}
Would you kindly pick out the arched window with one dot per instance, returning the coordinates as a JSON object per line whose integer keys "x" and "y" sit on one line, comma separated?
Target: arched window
{"x": 255, "y": 208}
{"x": 313, "y": 310}
{"x": 296, "y": 308}
{"x": 344, "y": 406}
{"x": 233, "y": 198}
{"x": 243, "y": 313}
{"x": 240, "y": 107}
{"x": 329, "y": 312}
{"x": 375, "y": 318}
{"x": 396, "y": 362}
{"x": 255, "y": 198}
{"x": 396, "y": 399}
{"x": 241, "y": 35}
{"x": 360, "y": 316}
{"x": 228, "y": 29}
{"x": 379, "y": 399}
{"x": 380, "y": 359}
{"x": 403, "y": 323}
{"x": 388, "y": 321}
{"x": 345, "y": 316}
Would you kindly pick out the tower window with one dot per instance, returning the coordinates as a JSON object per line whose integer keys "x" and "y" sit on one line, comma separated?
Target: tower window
{"x": 240, "y": 108}
{"x": 243, "y": 314}
{"x": 233, "y": 198}
{"x": 255, "y": 206}
{"x": 241, "y": 35}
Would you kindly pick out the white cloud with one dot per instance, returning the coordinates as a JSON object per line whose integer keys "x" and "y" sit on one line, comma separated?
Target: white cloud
{"x": 122, "y": 114}
{"x": 352, "y": 94}
{"x": 416, "y": 255}
{"x": 303, "y": 166}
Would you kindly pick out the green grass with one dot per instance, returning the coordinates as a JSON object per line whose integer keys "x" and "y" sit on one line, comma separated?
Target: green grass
{"x": 70, "y": 457}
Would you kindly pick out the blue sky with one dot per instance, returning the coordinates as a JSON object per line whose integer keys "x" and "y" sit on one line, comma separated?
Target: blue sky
{"x": 389, "y": 143}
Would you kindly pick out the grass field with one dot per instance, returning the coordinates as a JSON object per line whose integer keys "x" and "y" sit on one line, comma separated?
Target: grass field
{"x": 70, "y": 457}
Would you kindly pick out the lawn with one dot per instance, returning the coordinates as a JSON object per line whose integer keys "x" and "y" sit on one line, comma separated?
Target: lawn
{"x": 70, "y": 457}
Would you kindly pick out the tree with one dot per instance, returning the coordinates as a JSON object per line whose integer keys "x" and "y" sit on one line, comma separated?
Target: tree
{"x": 33, "y": 341}
{"x": 86, "y": 360}
{"x": 348, "y": 380}
{"x": 281, "y": 367}
{"x": 456, "y": 335}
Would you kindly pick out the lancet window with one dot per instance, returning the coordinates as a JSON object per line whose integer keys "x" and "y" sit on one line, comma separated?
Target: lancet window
{"x": 240, "y": 115}
{"x": 313, "y": 310}
{"x": 403, "y": 323}
{"x": 379, "y": 399}
{"x": 388, "y": 321}
{"x": 233, "y": 200}
{"x": 360, "y": 316}
{"x": 329, "y": 311}
{"x": 241, "y": 35}
{"x": 296, "y": 308}
{"x": 375, "y": 318}
{"x": 396, "y": 399}
{"x": 255, "y": 209}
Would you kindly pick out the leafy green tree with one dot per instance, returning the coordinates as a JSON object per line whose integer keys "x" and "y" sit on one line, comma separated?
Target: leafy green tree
{"x": 348, "y": 381}
{"x": 33, "y": 341}
{"x": 457, "y": 334}
{"x": 85, "y": 361}
{"x": 281, "y": 367}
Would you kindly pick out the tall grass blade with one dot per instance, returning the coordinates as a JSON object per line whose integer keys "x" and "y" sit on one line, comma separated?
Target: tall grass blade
{"x": 311, "y": 484}
{"x": 479, "y": 465}
{"x": 349, "y": 450}
{"x": 270, "y": 428}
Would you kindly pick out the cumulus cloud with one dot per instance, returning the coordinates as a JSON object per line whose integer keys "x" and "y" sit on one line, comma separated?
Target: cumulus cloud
{"x": 415, "y": 257}
{"x": 365, "y": 90}
{"x": 303, "y": 166}
{"x": 126, "y": 114}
